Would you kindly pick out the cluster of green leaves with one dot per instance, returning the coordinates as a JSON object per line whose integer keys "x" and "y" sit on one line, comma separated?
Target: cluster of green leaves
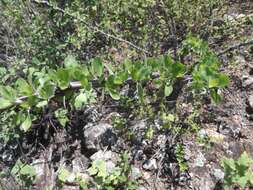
{"x": 117, "y": 179}
{"x": 180, "y": 156}
{"x": 24, "y": 173}
{"x": 41, "y": 86}
{"x": 64, "y": 176}
{"x": 44, "y": 86}
{"x": 238, "y": 172}
{"x": 206, "y": 74}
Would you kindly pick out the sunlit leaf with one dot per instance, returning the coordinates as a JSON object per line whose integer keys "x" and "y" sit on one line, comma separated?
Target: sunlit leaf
{"x": 216, "y": 97}
{"x": 63, "y": 78}
{"x": 168, "y": 90}
{"x": 8, "y": 93}
{"x": 24, "y": 88}
{"x": 97, "y": 67}
{"x": 80, "y": 100}
{"x": 114, "y": 94}
{"x": 26, "y": 125}
{"x": 70, "y": 61}
{"x": 5, "y": 103}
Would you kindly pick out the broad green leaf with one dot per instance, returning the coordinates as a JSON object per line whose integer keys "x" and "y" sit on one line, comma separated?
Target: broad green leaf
{"x": 128, "y": 65}
{"x": 145, "y": 73}
{"x": 81, "y": 181}
{"x": 8, "y": 93}
{"x": 42, "y": 104}
{"x": 120, "y": 78}
{"x": 31, "y": 101}
{"x": 63, "y": 78}
{"x": 110, "y": 82}
{"x": 223, "y": 80}
{"x": 151, "y": 61}
{"x": 216, "y": 97}
{"x": 63, "y": 174}
{"x": 16, "y": 168}
{"x": 61, "y": 115}
{"x": 28, "y": 170}
{"x": 114, "y": 94}
{"x": 77, "y": 74}
{"x": 178, "y": 69}
{"x": 70, "y": 61}
{"x": 100, "y": 164}
{"x": 168, "y": 90}
{"x": 228, "y": 163}
{"x": 242, "y": 181}
{"x": 85, "y": 83}
{"x": 136, "y": 73}
{"x": 213, "y": 82}
{"x": 109, "y": 68}
{"x": 97, "y": 67}
{"x": 26, "y": 125}
{"x": 93, "y": 170}
{"x": 98, "y": 168}
{"x": 218, "y": 80}
{"x": 249, "y": 175}
{"x": 81, "y": 100}
{"x": 24, "y": 88}
{"x": 167, "y": 61}
{"x": 5, "y": 103}
{"x": 47, "y": 91}
{"x": 244, "y": 160}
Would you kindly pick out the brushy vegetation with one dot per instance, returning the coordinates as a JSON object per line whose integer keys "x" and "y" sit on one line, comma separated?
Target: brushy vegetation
{"x": 62, "y": 56}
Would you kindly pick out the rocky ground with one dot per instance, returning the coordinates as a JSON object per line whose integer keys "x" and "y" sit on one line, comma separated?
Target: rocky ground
{"x": 222, "y": 130}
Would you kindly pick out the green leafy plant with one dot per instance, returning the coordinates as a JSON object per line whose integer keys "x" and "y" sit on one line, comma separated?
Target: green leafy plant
{"x": 75, "y": 85}
{"x": 61, "y": 115}
{"x": 238, "y": 172}
{"x": 206, "y": 75}
{"x": 24, "y": 173}
{"x": 118, "y": 178}
{"x": 64, "y": 176}
{"x": 180, "y": 156}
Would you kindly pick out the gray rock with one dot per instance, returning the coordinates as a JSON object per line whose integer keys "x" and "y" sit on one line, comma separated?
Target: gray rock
{"x": 240, "y": 59}
{"x": 230, "y": 129}
{"x": 99, "y": 136}
{"x": 218, "y": 174}
{"x": 110, "y": 166}
{"x": 203, "y": 182}
{"x": 247, "y": 81}
{"x": 135, "y": 173}
{"x": 202, "y": 133}
{"x": 139, "y": 130}
{"x": 235, "y": 149}
{"x": 68, "y": 187}
{"x": 79, "y": 164}
{"x": 187, "y": 153}
{"x": 103, "y": 155}
{"x": 250, "y": 101}
{"x": 150, "y": 165}
{"x": 141, "y": 188}
{"x": 200, "y": 160}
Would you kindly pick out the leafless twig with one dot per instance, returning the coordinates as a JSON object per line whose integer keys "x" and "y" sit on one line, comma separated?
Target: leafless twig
{"x": 234, "y": 47}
